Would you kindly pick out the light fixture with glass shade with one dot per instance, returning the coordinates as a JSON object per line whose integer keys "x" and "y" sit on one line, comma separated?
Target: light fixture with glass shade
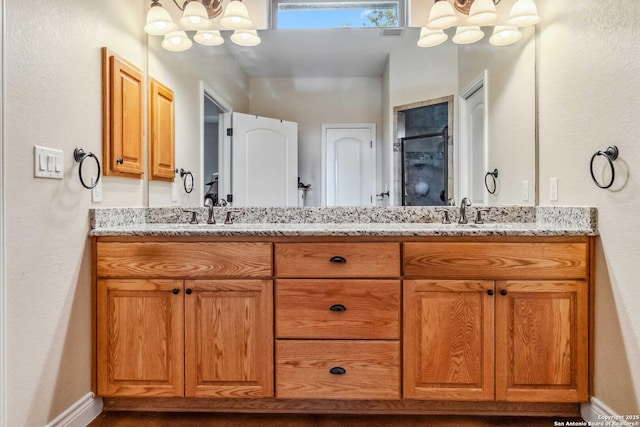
{"x": 467, "y": 34}
{"x": 197, "y": 16}
{"x": 236, "y": 16}
{"x": 470, "y": 15}
{"x": 442, "y": 16}
{"x": 194, "y": 17}
{"x": 482, "y": 12}
{"x": 176, "y": 41}
{"x": 504, "y": 35}
{"x": 523, "y": 14}
{"x": 246, "y": 38}
{"x": 159, "y": 21}
{"x": 431, "y": 38}
{"x": 209, "y": 38}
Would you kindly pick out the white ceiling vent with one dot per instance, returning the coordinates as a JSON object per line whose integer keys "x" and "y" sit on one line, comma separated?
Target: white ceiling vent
{"x": 391, "y": 32}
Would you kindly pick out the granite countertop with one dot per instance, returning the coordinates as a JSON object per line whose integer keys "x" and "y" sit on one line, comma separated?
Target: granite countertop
{"x": 377, "y": 222}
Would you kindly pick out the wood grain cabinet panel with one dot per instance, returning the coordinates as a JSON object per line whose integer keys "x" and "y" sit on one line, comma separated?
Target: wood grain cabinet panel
{"x": 184, "y": 260}
{"x": 338, "y": 309}
{"x": 361, "y": 369}
{"x": 123, "y": 117}
{"x": 161, "y": 132}
{"x": 229, "y": 338}
{"x": 470, "y": 260}
{"x": 336, "y": 260}
{"x": 140, "y": 338}
{"x": 448, "y": 340}
{"x": 542, "y": 341}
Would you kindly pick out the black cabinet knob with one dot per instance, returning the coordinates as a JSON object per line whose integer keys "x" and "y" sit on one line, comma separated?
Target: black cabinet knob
{"x": 490, "y": 292}
{"x": 188, "y": 291}
{"x": 337, "y": 371}
{"x": 338, "y": 260}
{"x": 338, "y": 307}
{"x": 503, "y": 292}
{"x": 119, "y": 160}
{"x": 176, "y": 291}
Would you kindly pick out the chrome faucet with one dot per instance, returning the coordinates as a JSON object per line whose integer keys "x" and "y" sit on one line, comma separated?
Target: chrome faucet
{"x": 463, "y": 211}
{"x": 209, "y": 203}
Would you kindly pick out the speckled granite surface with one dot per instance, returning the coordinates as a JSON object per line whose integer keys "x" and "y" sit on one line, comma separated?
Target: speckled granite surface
{"x": 379, "y": 221}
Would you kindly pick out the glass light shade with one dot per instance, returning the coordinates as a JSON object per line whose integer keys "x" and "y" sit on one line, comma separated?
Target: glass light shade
{"x": 467, "y": 34}
{"x": 209, "y": 38}
{"x": 236, "y": 16}
{"x": 442, "y": 16}
{"x": 194, "y": 17}
{"x": 482, "y": 12}
{"x": 523, "y": 14}
{"x": 431, "y": 38}
{"x": 159, "y": 21}
{"x": 176, "y": 41}
{"x": 504, "y": 35}
{"x": 245, "y": 37}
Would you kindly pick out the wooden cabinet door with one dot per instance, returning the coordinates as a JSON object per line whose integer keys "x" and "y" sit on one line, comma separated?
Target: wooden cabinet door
{"x": 140, "y": 338}
{"x": 448, "y": 340}
{"x": 542, "y": 341}
{"x": 229, "y": 338}
{"x": 161, "y": 132}
{"x": 123, "y": 117}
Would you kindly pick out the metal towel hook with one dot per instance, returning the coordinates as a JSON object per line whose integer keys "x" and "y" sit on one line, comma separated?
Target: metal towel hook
{"x": 610, "y": 154}
{"x": 80, "y": 156}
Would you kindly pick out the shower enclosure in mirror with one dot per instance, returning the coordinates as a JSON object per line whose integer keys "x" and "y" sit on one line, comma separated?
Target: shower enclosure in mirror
{"x": 424, "y": 151}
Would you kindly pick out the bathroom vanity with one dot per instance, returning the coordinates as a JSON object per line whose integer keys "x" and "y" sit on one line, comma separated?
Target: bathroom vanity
{"x": 345, "y": 317}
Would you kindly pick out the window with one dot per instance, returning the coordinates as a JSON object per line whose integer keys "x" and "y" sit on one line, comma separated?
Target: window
{"x": 328, "y": 14}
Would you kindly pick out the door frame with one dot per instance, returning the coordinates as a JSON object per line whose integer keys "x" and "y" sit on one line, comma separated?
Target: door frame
{"x": 223, "y": 143}
{"x": 323, "y": 171}
{"x": 463, "y": 181}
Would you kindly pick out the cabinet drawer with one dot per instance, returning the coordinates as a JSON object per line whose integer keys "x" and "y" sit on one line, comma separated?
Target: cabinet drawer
{"x": 338, "y": 309}
{"x": 183, "y": 260}
{"x": 496, "y": 260}
{"x": 371, "y": 369}
{"x": 318, "y": 260}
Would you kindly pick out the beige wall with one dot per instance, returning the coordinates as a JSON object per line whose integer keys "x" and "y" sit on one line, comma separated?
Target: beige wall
{"x": 53, "y": 98}
{"x": 589, "y": 98}
{"x": 311, "y": 102}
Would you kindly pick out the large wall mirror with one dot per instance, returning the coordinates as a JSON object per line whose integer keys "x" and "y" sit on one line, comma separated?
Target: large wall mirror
{"x": 363, "y": 76}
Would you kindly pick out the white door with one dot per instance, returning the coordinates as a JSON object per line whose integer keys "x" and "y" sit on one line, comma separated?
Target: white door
{"x": 264, "y": 161}
{"x": 349, "y": 165}
{"x": 473, "y": 152}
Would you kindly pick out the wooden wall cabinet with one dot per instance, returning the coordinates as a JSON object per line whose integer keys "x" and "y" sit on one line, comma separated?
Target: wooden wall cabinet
{"x": 123, "y": 117}
{"x": 161, "y": 132}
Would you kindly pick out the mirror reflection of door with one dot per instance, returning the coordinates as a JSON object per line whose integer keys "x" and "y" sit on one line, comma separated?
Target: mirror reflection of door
{"x": 473, "y": 142}
{"x": 349, "y": 165}
{"x": 264, "y": 161}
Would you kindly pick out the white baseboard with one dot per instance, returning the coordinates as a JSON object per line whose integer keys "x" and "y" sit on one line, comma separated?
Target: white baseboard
{"x": 596, "y": 411}
{"x": 80, "y": 414}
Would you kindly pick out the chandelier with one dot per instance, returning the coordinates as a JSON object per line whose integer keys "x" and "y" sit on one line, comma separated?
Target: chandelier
{"x": 473, "y": 14}
{"x": 197, "y": 16}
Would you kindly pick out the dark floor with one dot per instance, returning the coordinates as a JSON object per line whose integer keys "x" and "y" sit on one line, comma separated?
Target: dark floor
{"x": 168, "y": 419}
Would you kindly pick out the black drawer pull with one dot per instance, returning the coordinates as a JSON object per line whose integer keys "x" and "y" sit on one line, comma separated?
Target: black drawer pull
{"x": 503, "y": 292}
{"x": 337, "y": 371}
{"x": 338, "y": 307}
{"x": 490, "y": 292}
{"x": 188, "y": 291}
{"x": 176, "y": 291}
{"x": 338, "y": 260}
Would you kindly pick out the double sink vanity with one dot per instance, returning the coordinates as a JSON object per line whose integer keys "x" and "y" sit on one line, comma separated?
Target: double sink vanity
{"x": 344, "y": 310}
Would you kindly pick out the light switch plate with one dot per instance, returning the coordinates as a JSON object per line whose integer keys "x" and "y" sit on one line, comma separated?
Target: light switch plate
{"x": 525, "y": 191}
{"x": 96, "y": 192}
{"x": 553, "y": 189}
{"x": 48, "y": 163}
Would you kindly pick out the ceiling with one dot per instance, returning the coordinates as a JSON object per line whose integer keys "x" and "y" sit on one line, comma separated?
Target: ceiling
{"x": 348, "y": 52}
